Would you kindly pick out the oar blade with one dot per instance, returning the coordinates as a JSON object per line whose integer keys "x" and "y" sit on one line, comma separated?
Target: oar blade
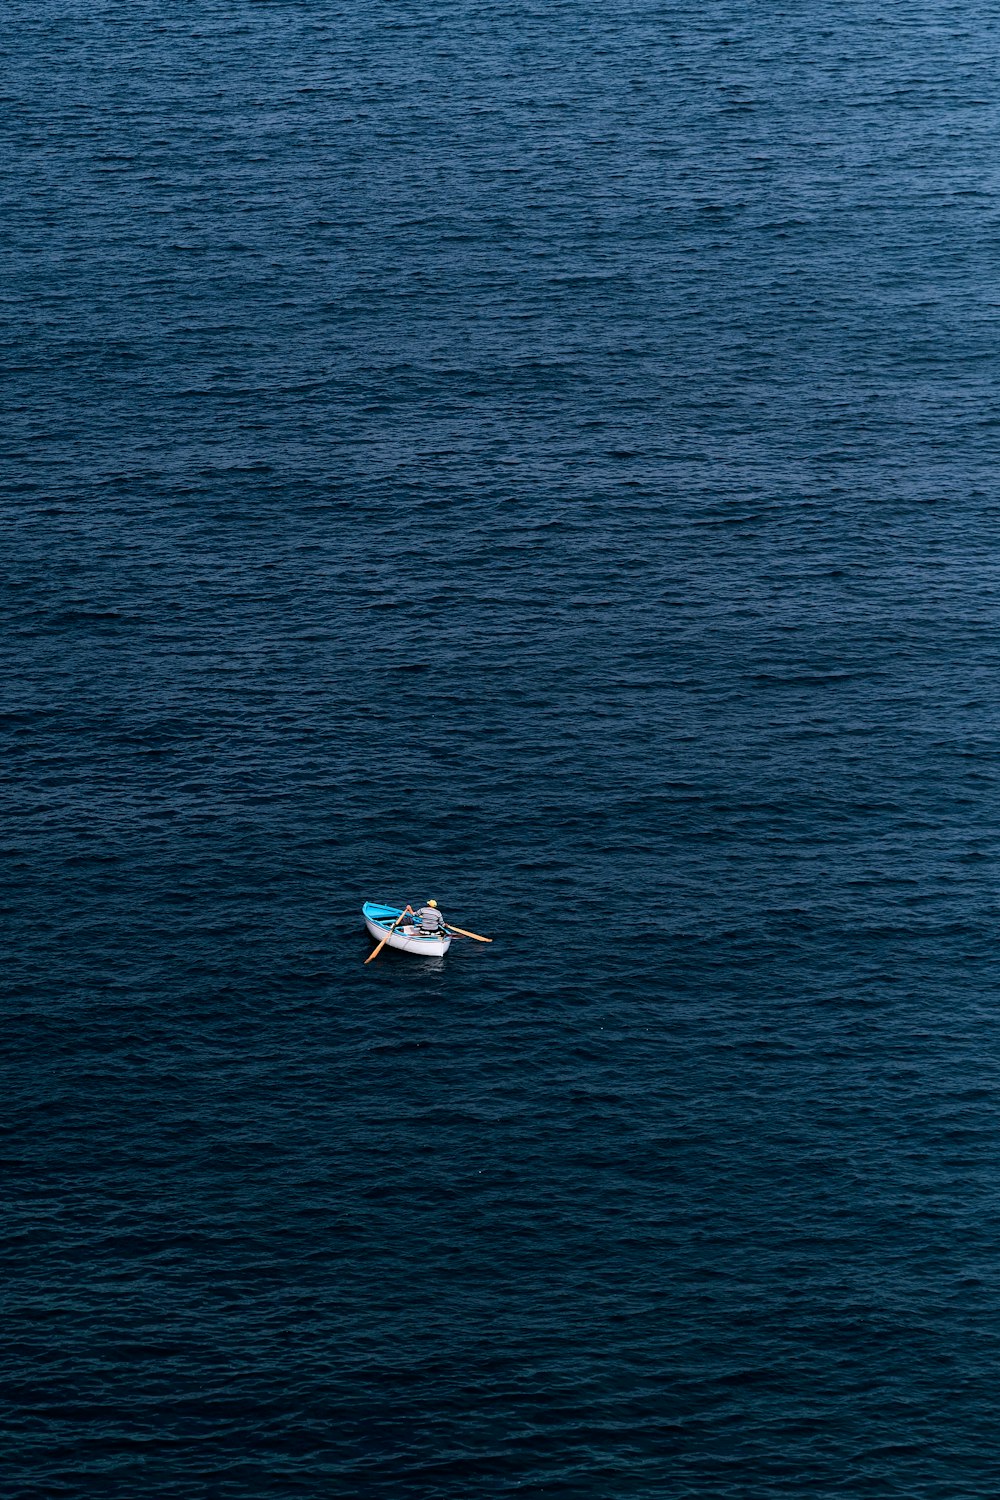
{"x": 462, "y": 933}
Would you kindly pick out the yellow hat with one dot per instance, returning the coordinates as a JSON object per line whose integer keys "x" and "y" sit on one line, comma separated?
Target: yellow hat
{"x": 432, "y": 903}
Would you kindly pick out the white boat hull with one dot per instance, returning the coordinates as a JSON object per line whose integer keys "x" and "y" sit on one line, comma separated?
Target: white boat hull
{"x": 407, "y": 942}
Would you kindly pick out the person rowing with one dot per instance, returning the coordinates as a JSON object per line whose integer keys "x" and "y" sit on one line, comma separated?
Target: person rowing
{"x": 430, "y": 921}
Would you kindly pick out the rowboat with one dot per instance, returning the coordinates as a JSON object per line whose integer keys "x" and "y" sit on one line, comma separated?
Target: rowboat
{"x": 379, "y": 919}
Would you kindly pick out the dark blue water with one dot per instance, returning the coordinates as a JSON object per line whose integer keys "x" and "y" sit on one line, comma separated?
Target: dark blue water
{"x": 541, "y": 457}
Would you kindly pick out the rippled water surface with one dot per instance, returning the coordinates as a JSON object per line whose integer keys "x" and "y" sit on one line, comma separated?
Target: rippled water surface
{"x": 542, "y": 457}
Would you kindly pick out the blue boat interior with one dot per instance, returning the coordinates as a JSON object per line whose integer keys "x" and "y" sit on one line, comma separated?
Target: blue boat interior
{"x": 377, "y": 913}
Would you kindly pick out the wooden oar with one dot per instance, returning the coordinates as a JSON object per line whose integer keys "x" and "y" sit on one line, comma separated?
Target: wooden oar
{"x": 388, "y": 935}
{"x": 462, "y": 933}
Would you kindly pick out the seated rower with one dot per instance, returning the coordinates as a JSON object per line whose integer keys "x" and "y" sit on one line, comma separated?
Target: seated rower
{"x": 430, "y": 920}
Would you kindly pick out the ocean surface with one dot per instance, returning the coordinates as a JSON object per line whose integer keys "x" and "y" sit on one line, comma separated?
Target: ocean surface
{"x": 543, "y": 457}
